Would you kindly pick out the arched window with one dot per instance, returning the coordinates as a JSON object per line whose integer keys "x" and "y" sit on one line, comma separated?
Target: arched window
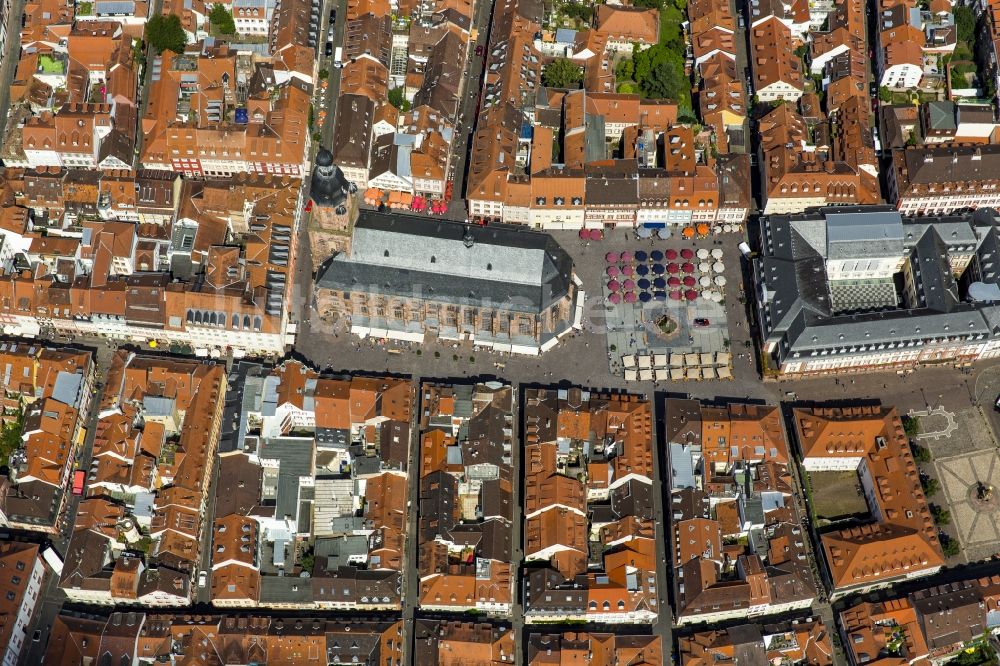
{"x": 236, "y": 321}
{"x": 257, "y": 323}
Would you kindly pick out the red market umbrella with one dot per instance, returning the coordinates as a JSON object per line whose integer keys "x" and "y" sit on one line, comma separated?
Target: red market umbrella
{"x": 689, "y": 281}
{"x": 585, "y": 234}
{"x": 596, "y": 234}
{"x": 628, "y": 270}
{"x": 675, "y": 295}
{"x": 674, "y": 282}
{"x": 615, "y": 299}
{"x": 614, "y": 286}
{"x": 626, "y": 256}
{"x": 673, "y": 269}
{"x": 671, "y": 254}
{"x": 612, "y": 271}
{"x": 630, "y": 297}
{"x": 687, "y": 253}
{"x": 688, "y": 267}
{"x": 690, "y": 294}
{"x": 628, "y": 285}
{"x": 611, "y": 257}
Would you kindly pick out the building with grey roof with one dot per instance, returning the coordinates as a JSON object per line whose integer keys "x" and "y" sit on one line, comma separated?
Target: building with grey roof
{"x": 861, "y": 287}
{"x": 944, "y": 179}
{"x": 408, "y": 277}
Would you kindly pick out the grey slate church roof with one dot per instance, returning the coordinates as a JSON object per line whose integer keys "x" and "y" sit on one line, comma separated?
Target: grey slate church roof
{"x": 418, "y": 257}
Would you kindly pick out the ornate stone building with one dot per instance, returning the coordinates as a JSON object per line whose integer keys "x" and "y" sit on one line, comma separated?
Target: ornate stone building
{"x": 407, "y": 277}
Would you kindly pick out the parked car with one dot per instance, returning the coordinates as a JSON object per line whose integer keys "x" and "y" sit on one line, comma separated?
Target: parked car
{"x": 202, "y": 579}
{"x": 328, "y": 50}
{"x": 479, "y": 50}
{"x": 997, "y": 403}
{"x": 701, "y": 321}
{"x": 333, "y": 16}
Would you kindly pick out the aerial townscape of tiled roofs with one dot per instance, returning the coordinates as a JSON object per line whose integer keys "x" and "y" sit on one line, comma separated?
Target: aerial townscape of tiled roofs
{"x": 481, "y": 332}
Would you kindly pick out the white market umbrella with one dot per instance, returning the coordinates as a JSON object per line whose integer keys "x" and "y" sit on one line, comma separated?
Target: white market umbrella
{"x": 717, "y": 253}
{"x": 720, "y": 280}
{"x": 705, "y": 281}
{"x": 704, "y": 267}
{"x": 703, "y": 253}
{"x": 718, "y": 267}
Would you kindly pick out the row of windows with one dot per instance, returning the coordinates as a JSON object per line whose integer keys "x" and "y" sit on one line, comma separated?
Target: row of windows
{"x": 209, "y": 318}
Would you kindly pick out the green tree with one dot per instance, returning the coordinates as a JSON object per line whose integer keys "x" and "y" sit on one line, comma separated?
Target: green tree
{"x": 625, "y": 70}
{"x": 308, "y": 562}
{"x": 920, "y": 453}
{"x": 911, "y": 426}
{"x": 884, "y": 94}
{"x": 660, "y": 74}
{"x": 397, "y": 100}
{"x": 165, "y": 33}
{"x": 671, "y": 34}
{"x": 949, "y": 547}
{"x": 941, "y": 515}
{"x": 10, "y": 437}
{"x": 931, "y": 486}
{"x": 576, "y": 11}
{"x": 966, "y": 22}
{"x": 562, "y": 73}
{"x": 222, "y": 20}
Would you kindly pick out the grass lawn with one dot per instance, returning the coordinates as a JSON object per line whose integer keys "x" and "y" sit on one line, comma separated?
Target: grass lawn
{"x": 836, "y": 495}
{"x": 49, "y": 65}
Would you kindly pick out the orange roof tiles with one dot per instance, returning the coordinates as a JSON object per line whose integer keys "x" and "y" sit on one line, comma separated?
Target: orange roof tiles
{"x": 628, "y": 23}
{"x": 904, "y": 540}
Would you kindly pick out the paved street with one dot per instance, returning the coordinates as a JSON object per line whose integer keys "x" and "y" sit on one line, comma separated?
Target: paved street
{"x": 664, "y": 621}
{"x": 471, "y": 90}
{"x": 333, "y": 91}
{"x": 52, "y": 595}
{"x": 147, "y": 81}
{"x": 411, "y": 575}
{"x": 12, "y": 49}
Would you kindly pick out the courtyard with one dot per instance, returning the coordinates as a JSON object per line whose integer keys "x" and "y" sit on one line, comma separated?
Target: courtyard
{"x": 837, "y": 497}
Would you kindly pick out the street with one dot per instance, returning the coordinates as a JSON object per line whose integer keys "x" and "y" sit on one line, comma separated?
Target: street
{"x": 52, "y": 596}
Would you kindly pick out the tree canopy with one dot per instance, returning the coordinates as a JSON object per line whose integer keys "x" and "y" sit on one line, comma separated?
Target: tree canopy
{"x": 966, "y": 22}
{"x": 562, "y": 73}
{"x": 165, "y": 33}
{"x": 222, "y": 19}
{"x": 660, "y": 74}
{"x": 397, "y": 99}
